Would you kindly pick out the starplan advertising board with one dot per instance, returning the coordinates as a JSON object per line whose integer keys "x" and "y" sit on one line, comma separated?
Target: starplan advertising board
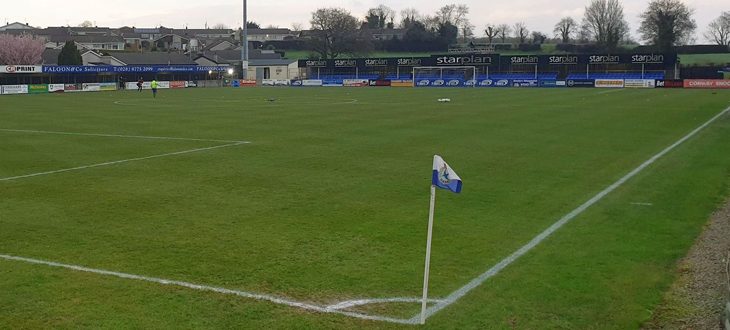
{"x": 480, "y": 60}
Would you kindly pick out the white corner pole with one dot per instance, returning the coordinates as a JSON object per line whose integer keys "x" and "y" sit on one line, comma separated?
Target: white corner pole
{"x": 244, "y": 42}
{"x": 424, "y": 303}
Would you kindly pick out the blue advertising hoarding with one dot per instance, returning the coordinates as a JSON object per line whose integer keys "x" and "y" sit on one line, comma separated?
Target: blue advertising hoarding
{"x": 89, "y": 69}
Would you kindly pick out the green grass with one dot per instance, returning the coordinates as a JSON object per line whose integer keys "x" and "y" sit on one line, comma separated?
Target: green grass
{"x": 705, "y": 59}
{"x": 329, "y": 203}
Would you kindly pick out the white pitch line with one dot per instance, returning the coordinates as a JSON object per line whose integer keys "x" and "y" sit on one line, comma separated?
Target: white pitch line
{"x": 479, "y": 280}
{"x": 121, "y": 161}
{"x": 612, "y": 90}
{"x": 363, "y": 302}
{"x": 201, "y": 287}
{"x": 116, "y": 135}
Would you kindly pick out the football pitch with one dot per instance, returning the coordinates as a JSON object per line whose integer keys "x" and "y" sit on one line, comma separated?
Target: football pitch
{"x": 308, "y": 208}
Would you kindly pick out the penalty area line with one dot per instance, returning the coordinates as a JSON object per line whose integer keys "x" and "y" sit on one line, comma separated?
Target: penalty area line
{"x": 479, "y": 280}
{"x": 121, "y": 161}
{"x": 201, "y": 287}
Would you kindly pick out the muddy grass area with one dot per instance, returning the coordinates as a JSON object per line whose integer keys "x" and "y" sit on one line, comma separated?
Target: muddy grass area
{"x": 697, "y": 299}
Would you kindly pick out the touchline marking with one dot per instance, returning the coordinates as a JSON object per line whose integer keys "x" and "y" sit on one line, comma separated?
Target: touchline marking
{"x": 116, "y": 135}
{"x": 201, "y": 287}
{"x": 122, "y": 161}
{"x": 479, "y": 280}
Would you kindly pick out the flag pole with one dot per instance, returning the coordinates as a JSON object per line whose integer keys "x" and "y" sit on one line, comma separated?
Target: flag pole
{"x": 424, "y": 303}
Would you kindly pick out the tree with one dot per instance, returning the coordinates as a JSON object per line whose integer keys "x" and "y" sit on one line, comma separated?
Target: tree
{"x": 467, "y": 31}
{"x": 253, "y": 25}
{"x": 538, "y": 38}
{"x": 70, "y": 54}
{"x": 491, "y": 32}
{"x": 566, "y": 28}
{"x": 667, "y": 23}
{"x": 20, "y": 50}
{"x": 604, "y": 21}
{"x": 86, "y": 24}
{"x": 335, "y": 32}
{"x": 521, "y": 32}
{"x": 380, "y": 17}
{"x": 719, "y": 30}
{"x": 448, "y": 32}
{"x": 297, "y": 27}
{"x": 220, "y": 26}
{"x": 408, "y": 17}
{"x": 503, "y": 30}
{"x": 456, "y": 15}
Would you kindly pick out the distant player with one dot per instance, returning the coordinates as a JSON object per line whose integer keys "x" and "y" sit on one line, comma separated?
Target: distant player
{"x": 154, "y": 86}
{"x": 140, "y": 83}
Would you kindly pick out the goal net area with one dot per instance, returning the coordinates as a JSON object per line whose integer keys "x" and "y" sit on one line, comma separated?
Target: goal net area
{"x": 455, "y": 76}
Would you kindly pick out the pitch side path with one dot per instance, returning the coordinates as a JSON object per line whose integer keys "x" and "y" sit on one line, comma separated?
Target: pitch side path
{"x": 307, "y": 207}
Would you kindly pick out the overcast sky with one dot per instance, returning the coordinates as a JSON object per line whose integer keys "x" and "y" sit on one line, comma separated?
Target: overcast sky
{"x": 539, "y": 15}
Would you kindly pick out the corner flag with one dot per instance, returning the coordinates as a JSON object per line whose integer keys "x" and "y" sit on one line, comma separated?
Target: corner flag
{"x": 444, "y": 177}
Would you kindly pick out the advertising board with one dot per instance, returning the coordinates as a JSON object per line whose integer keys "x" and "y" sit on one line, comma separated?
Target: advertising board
{"x": 525, "y": 83}
{"x": 20, "y": 69}
{"x": 401, "y": 83}
{"x": 312, "y": 83}
{"x": 707, "y": 83}
{"x": 178, "y": 84}
{"x": 90, "y": 87}
{"x": 640, "y": 83}
{"x": 71, "y": 88}
{"x": 274, "y": 82}
{"x": 585, "y": 83}
{"x": 15, "y": 89}
{"x": 670, "y": 84}
{"x": 380, "y": 83}
{"x": 37, "y": 89}
{"x": 439, "y": 83}
{"x": 548, "y": 83}
{"x": 55, "y": 88}
{"x": 107, "y": 87}
{"x": 355, "y": 83}
{"x": 494, "y": 83}
{"x": 609, "y": 83}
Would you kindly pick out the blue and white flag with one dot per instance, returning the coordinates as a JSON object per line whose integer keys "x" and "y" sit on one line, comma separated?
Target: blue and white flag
{"x": 444, "y": 177}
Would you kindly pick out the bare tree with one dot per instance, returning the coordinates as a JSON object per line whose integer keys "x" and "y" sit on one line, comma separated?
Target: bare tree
{"x": 667, "y": 23}
{"x": 565, "y": 29}
{"x": 503, "y": 31}
{"x": 335, "y": 32}
{"x": 456, "y": 15}
{"x": 491, "y": 32}
{"x": 297, "y": 27}
{"x": 719, "y": 30}
{"x": 86, "y": 24}
{"x": 220, "y": 26}
{"x": 467, "y": 31}
{"x": 521, "y": 32}
{"x": 604, "y": 20}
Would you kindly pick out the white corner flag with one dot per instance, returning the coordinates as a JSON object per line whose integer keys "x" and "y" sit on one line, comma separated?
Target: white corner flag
{"x": 445, "y": 178}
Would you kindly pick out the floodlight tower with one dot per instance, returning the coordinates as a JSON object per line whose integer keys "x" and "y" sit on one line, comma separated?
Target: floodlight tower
{"x": 244, "y": 48}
